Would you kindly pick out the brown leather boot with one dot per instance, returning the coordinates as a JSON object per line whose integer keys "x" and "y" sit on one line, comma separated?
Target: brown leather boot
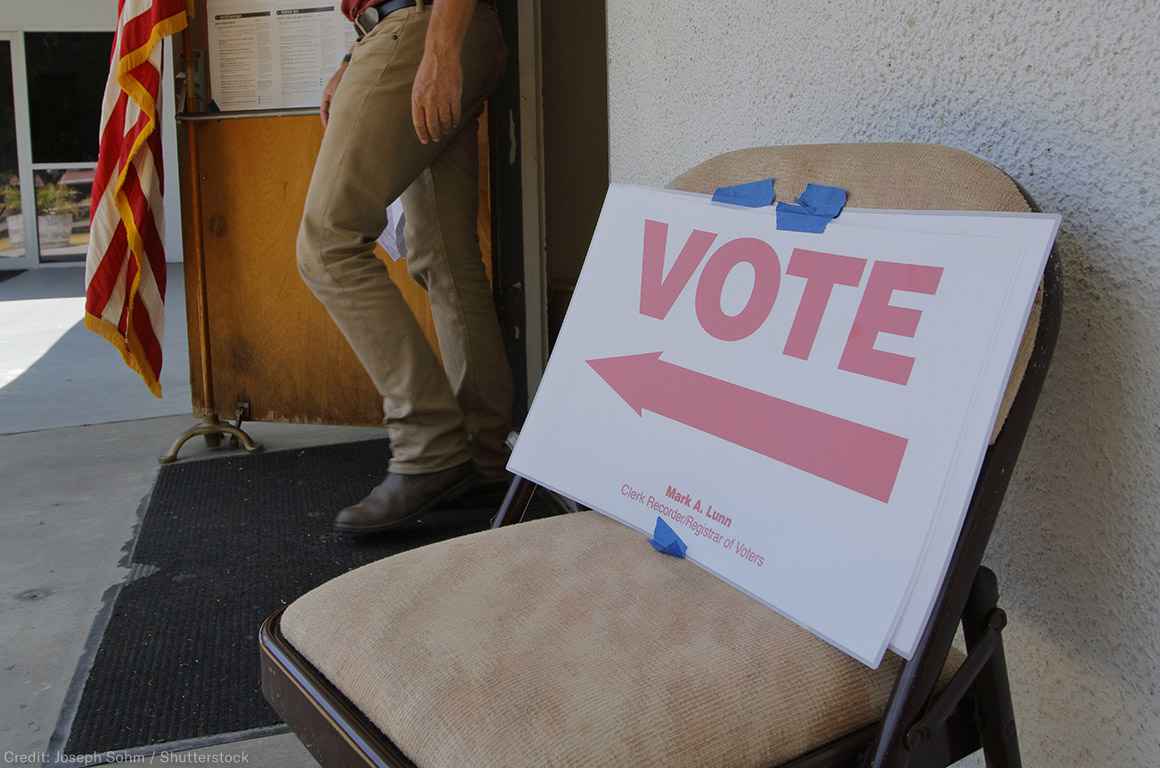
{"x": 401, "y": 502}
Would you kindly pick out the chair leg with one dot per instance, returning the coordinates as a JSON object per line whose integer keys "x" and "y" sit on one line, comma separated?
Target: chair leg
{"x": 515, "y": 503}
{"x": 994, "y": 711}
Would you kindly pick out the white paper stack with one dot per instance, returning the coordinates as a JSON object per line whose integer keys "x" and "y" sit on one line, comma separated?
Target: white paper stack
{"x": 808, "y": 412}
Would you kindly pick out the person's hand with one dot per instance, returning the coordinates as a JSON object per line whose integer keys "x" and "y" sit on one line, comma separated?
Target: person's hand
{"x": 437, "y": 95}
{"x": 328, "y": 93}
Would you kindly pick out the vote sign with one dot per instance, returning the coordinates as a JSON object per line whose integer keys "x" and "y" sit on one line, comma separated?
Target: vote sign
{"x": 808, "y": 412}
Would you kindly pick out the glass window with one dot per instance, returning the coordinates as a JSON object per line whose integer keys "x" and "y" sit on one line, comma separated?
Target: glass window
{"x": 66, "y": 84}
{"x": 11, "y": 216}
{"x": 63, "y": 200}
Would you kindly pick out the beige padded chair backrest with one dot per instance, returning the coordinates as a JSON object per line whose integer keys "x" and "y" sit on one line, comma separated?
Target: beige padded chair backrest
{"x": 904, "y": 176}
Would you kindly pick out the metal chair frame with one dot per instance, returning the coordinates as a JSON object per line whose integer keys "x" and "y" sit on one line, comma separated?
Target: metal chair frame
{"x": 922, "y": 727}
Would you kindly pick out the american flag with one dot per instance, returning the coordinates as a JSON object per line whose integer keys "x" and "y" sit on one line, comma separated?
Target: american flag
{"x": 125, "y": 267}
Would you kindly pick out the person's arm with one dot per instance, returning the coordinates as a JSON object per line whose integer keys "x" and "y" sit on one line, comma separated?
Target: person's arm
{"x": 331, "y": 87}
{"x": 437, "y": 96}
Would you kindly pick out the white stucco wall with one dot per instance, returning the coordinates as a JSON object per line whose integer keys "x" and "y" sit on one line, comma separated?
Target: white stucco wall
{"x": 1064, "y": 96}
{"x": 54, "y": 15}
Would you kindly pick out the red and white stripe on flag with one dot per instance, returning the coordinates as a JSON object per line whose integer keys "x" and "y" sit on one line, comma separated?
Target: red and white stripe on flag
{"x": 125, "y": 267}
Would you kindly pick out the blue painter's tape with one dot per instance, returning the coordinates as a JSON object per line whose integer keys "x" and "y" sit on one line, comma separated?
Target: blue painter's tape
{"x": 822, "y": 200}
{"x": 816, "y": 207}
{"x": 752, "y": 194}
{"x": 795, "y": 218}
{"x": 666, "y": 541}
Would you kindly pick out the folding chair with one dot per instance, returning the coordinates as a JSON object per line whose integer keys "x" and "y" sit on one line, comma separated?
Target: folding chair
{"x": 560, "y": 641}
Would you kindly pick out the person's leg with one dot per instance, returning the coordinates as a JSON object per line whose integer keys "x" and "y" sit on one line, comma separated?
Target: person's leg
{"x": 443, "y": 255}
{"x": 369, "y": 155}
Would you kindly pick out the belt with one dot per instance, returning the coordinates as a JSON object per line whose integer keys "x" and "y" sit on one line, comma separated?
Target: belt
{"x": 369, "y": 19}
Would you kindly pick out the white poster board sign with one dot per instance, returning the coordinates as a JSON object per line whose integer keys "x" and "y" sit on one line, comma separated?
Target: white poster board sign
{"x": 274, "y": 54}
{"x": 808, "y": 412}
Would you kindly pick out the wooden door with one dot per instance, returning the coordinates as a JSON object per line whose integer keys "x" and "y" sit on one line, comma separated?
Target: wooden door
{"x": 270, "y": 343}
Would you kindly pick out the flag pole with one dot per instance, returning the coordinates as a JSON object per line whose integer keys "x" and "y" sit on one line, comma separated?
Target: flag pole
{"x": 195, "y": 225}
{"x": 211, "y": 427}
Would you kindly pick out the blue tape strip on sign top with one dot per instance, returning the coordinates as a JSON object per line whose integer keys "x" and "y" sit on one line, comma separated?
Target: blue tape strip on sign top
{"x": 666, "y": 541}
{"x": 751, "y": 194}
{"x": 823, "y": 200}
{"x": 816, "y": 207}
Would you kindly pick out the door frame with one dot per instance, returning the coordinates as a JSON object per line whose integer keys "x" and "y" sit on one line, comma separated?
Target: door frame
{"x": 556, "y": 216}
{"x": 531, "y": 139}
{"x": 518, "y": 243}
{"x": 31, "y": 257}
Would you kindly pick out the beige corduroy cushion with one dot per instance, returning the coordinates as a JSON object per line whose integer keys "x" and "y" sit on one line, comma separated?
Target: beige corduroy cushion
{"x": 569, "y": 641}
{"x": 899, "y": 176}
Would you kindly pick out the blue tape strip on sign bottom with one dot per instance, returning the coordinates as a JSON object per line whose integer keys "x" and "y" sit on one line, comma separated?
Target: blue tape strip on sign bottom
{"x": 794, "y": 218}
{"x": 751, "y": 194}
{"x": 666, "y": 541}
{"x": 816, "y": 207}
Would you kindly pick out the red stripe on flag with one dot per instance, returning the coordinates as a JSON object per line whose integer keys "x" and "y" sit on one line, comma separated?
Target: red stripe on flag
{"x": 109, "y": 156}
{"x": 143, "y": 330}
{"x": 153, "y": 143}
{"x": 139, "y": 29}
{"x": 130, "y": 139}
{"x": 147, "y": 74}
{"x": 104, "y": 279}
{"x": 147, "y": 228}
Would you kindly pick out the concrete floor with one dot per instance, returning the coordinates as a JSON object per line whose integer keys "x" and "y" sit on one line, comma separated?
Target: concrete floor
{"x": 72, "y": 498}
{"x": 79, "y": 440}
{"x": 56, "y": 373}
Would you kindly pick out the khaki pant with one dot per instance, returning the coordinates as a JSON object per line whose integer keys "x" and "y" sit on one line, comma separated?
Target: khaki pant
{"x": 436, "y": 417}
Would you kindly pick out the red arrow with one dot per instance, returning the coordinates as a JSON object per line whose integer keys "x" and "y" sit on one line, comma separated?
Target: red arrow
{"x": 845, "y": 452}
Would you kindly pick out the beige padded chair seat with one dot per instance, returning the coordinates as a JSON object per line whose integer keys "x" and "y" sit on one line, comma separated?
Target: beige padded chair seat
{"x": 892, "y": 176}
{"x": 569, "y": 641}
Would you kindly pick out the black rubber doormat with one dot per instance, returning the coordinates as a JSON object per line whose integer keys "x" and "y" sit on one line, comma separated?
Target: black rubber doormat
{"x": 222, "y": 544}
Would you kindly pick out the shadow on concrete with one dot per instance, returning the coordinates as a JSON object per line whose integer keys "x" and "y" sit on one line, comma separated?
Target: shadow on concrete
{"x": 56, "y": 373}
